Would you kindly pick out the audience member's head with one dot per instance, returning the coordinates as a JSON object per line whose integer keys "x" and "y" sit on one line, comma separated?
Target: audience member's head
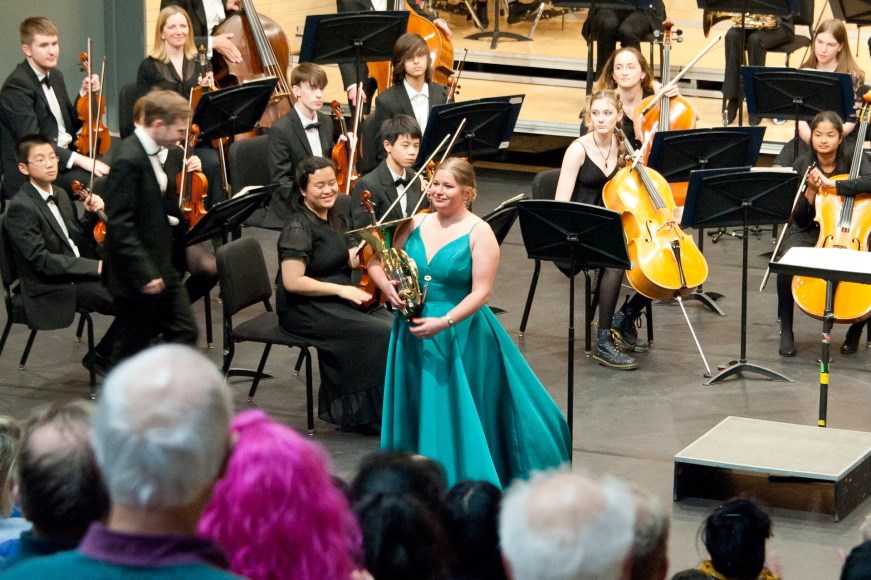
{"x": 59, "y": 484}
{"x": 865, "y": 529}
{"x": 692, "y": 574}
{"x": 562, "y": 525}
{"x": 9, "y": 436}
{"x": 858, "y": 563}
{"x": 401, "y": 472}
{"x": 735, "y": 535}
{"x": 160, "y": 433}
{"x": 473, "y": 528}
{"x": 402, "y": 538}
{"x": 276, "y": 512}
{"x": 650, "y": 544}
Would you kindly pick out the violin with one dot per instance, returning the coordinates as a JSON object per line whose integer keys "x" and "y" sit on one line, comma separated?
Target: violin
{"x": 454, "y": 81}
{"x": 94, "y": 138}
{"x": 666, "y": 262}
{"x": 192, "y": 186}
{"x": 367, "y": 284}
{"x": 100, "y": 228}
{"x": 845, "y": 223}
{"x": 204, "y": 70}
{"x": 342, "y": 154}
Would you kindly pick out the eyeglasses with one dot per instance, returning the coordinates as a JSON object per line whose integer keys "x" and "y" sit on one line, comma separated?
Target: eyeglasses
{"x": 44, "y": 161}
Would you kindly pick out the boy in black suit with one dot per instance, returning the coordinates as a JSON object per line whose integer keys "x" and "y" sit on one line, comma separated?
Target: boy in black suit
{"x": 58, "y": 269}
{"x": 413, "y": 93}
{"x": 34, "y": 99}
{"x": 400, "y": 137}
{"x": 141, "y": 274}
{"x": 303, "y": 132}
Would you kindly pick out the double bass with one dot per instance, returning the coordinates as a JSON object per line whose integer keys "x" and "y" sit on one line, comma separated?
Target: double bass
{"x": 666, "y": 263}
{"x": 845, "y": 223}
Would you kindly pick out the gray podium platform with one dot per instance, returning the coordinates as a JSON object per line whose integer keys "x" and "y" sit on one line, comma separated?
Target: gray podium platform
{"x": 790, "y": 466}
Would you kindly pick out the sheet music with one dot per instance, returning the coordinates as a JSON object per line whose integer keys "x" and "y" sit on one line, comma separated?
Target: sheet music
{"x": 832, "y": 259}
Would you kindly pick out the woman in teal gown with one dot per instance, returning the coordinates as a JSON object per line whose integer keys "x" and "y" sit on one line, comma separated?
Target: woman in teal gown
{"x": 457, "y": 389}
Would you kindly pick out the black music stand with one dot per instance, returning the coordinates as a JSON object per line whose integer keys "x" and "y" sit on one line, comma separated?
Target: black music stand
{"x": 352, "y": 37}
{"x": 234, "y": 110}
{"x": 745, "y": 7}
{"x": 489, "y": 125}
{"x": 856, "y": 12}
{"x": 229, "y": 215}
{"x": 583, "y": 237}
{"x": 497, "y": 34}
{"x": 740, "y": 197}
{"x": 674, "y": 154}
{"x": 799, "y": 94}
{"x": 845, "y": 266}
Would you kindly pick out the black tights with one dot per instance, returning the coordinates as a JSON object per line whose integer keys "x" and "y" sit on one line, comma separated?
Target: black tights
{"x": 203, "y": 270}
{"x": 609, "y": 295}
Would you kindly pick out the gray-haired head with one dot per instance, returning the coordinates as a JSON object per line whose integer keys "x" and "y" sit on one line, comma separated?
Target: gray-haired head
{"x": 160, "y": 428}
{"x": 566, "y": 526}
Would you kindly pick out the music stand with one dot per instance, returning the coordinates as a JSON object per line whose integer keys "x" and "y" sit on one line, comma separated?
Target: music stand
{"x": 582, "y": 236}
{"x": 352, "y": 37}
{"x": 740, "y": 197}
{"x": 228, "y": 216}
{"x": 856, "y": 12}
{"x": 745, "y": 7}
{"x": 489, "y": 125}
{"x": 832, "y": 265}
{"x": 800, "y": 94}
{"x": 674, "y": 154}
{"x": 234, "y": 110}
{"x": 497, "y": 34}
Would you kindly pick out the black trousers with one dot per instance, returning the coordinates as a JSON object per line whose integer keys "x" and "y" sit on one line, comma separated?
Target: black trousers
{"x": 757, "y": 44}
{"x": 627, "y": 26}
{"x": 94, "y": 297}
{"x": 145, "y": 318}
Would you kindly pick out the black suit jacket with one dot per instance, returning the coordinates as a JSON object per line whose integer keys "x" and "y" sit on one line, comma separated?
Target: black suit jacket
{"x": 197, "y": 14}
{"x": 139, "y": 238}
{"x": 47, "y": 266}
{"x": 383, "y": 189}
{"x": 24, "y": 109}
{"x": 394, "y": 101}
{"x": 288, "y": 146}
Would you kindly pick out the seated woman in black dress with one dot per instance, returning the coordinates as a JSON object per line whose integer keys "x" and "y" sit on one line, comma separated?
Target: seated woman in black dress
{"x": 317, "y": 300}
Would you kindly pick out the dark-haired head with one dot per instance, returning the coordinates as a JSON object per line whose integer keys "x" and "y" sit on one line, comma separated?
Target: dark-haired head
{"x": 473, "y": 527}
{"x": 407, "y": 47}
{"x": 829, "y": 117}
{"x": 735, "y": 535}
{"x": 692, "y": 574}
{"x": 26, "y": 143}
{"x": 395, "y": 127}
{"x": 401, "y": 472}
{"x": 305, "y": 169}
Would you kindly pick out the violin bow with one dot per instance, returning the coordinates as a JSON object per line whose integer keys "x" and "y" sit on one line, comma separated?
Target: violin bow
{"x": 447, "y": 152}
{"x": 358, "y": 113}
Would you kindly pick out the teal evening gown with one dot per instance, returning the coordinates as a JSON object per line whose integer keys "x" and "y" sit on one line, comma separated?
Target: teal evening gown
{"x": 466, "y": 397}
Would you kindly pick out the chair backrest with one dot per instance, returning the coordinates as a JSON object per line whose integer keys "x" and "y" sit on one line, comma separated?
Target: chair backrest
{"x": 127, "y": 97}
{"x": 242, "y": 274}
{"x": 248, "y": 163}
{"x": 544, "y": 184}
{"x": 8, "y": 272}
{"x": 501, "y": 220}
{"x": 806, "y": 14}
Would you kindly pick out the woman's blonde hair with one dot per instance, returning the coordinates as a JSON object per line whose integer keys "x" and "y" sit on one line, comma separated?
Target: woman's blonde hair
{"x": 846, "y": 62}
{"x": 614, "y": 98}
{"x": 464, "y": 173}
{"x": 158, "y": 51}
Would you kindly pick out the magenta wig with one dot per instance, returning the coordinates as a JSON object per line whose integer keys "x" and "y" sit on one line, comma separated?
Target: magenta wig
{"x": 276, "y": 512}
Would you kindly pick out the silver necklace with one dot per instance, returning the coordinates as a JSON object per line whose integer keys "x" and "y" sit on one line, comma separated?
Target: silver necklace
{"x": 605, "y": 156}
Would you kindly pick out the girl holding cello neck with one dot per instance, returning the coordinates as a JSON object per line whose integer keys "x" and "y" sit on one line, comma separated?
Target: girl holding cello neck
{"x": 589, "y": 163}
{"x": 831, "y": 158}
{"x": 627, "y": 73}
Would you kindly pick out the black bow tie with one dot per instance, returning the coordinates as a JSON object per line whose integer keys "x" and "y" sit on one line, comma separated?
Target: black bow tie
{"x": 46, "y": 82}
{"x": 311, "y": 126}
{"x": 401, "y": 182}
{"x": 51, "y": 198}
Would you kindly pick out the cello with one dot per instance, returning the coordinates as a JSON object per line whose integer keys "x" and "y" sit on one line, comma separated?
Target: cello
{"x": 666, "y": 263}
{"x": 845, "y": 223}
{"x": 265, "y": 53}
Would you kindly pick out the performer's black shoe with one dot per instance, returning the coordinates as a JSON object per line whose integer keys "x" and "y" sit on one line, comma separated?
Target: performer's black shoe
{"x": 787, "y": 343}
{"x": 731, "y": 107}
{"x": 100, "y": 364}
{"x": 481, "y": 13}
{"x": 755, "y": 120}
{"x": 851, "y": 343}
{"x": 607, "y": 352}
{"x": 623, "y": 324}
{"x": 518, "y": 11}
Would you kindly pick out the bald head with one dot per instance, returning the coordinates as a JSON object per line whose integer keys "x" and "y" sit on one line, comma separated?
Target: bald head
{"x": 566, "y": 526}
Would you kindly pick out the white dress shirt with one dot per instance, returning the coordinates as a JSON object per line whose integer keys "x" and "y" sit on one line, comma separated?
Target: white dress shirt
{"x": 313, "y": 135}
{"x": 419, "y": 103}
{"x": 55, "y": 211}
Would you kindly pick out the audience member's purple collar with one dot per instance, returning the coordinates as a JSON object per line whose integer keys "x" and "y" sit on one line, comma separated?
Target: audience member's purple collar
{"x": 149, "y": 550}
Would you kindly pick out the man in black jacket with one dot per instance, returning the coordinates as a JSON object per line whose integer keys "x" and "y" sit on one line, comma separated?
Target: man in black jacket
{"x": 141, "y": 273}
{"x": 34, "y": 99}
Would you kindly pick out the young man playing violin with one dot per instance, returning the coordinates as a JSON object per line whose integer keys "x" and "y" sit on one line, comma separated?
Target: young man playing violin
{"x": 34, "y": 99}
{"x": 58, "y": 268}
{"x": 400, "y": 137}
{"x": 303, "y": 132}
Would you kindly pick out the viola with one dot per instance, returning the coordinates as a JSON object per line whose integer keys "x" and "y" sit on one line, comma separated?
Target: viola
{"x": 265, "y": 53}
{"x": 192, "y": 186}
{"x": 94, "y": 138}
{"x": 100, "y": 228}
{"x": 367, "y": 284}
{"x": 666, "y": 262}
{"x": 845, "y": 223}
